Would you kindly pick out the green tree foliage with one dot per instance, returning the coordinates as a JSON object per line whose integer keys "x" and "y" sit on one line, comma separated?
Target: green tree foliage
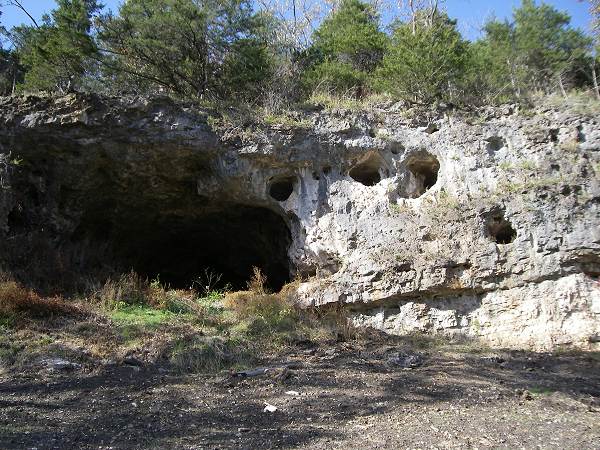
{"x": 189, "y": 48}
{"x": 538, "y": 51}
{"x": 224, "y": 49}
{"x": 595, "y": 10}
{"x": 493, "y": 68}
{"x": 11, "y": 72}
{"x": 346, "y": 48}
{"x": 424, "y": 63}
{"x": 57, "y": 54}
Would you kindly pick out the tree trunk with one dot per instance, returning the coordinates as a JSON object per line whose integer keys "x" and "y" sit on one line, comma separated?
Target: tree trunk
{"x": 562, "y": 87}
{"x": 595, "y": 81}
{"x": 513, "y": 80}
{"x": 413, "y": 16}
{"x": 434, "y": 9}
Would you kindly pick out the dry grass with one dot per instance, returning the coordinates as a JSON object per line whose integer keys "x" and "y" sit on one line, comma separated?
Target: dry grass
{"x": 257, "y": 300}
{"x": 130, "y": 289}
{"x": 193, "y": 332}
{"x": 15, "y": 300}
{"x": 246, "y": 304}
{"x": 277, "y": 316}
{"x": 347, "y": 102}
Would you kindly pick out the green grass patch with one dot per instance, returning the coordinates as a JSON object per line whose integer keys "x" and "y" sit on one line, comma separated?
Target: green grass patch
{"x": 7, "y": 321}
{"x": 541, "y": 390}
{"x": 142, "y": 316}
{"x": 133, "y": 321}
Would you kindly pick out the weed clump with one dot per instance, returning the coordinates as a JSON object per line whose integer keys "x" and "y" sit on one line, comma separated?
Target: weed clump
{"x": 208, "y": 354}
{"x": 131, "y": 289}
{"x": 192, "y": 330}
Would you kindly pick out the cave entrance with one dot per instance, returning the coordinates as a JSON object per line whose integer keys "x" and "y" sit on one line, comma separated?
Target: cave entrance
{"x": 229, "y": 240}
{"x": 424, "y": 171}
{"x": 367, "y": 172}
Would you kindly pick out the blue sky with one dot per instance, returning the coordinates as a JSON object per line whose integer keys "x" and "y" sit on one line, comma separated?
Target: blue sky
{"x": 471, "y": 14}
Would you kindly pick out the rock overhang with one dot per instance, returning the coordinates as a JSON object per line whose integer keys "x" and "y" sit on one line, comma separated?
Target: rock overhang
{"x": 374, "y": 217}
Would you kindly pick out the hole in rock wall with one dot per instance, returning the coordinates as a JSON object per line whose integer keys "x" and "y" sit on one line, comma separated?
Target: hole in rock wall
{"x": 494, "y": 144}
{"x": 368, "y": 171}
{"x": 16, "y": 220}
{"x": 500, "y": 229}
{"x": 396, "y": 148}
{"x": 579, "y": 135}
{"x": 424, "y": 171}
{"x": 281, "y": 189}
{"x": 228, "y": 239}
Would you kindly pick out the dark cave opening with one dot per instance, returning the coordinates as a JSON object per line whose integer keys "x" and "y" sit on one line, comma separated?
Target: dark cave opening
{"x": 500, "y": 229}
{"x": 281, "y": 189}
{"x": 178, "y": 250}
{"x": 424, "y": 171}
{"x": 368, "y": 171}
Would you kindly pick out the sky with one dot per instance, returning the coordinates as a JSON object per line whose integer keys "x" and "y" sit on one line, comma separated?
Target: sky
{"x": 471, "y": 14}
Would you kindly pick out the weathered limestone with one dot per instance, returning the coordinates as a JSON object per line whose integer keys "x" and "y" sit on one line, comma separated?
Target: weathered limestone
{"x": 486, "y": 224}
{"x": 538, "y": 316}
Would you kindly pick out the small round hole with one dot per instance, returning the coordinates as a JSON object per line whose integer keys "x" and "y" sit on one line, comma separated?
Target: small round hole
{"x": 282, "y": 189}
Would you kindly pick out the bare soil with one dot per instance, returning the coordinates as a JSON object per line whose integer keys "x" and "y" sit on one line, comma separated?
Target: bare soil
{"x": 339, "y": 396}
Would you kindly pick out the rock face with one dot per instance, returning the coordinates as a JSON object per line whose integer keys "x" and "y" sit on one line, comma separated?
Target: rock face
{"x": 485, "y": 224}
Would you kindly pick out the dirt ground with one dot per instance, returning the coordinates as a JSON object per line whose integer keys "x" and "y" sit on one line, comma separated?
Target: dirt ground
{"x": 380, "y": 393}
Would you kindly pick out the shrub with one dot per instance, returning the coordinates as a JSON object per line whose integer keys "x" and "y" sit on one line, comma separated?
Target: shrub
{"x": 250, "y": 304}
{"x": 258, "y": 282}
{"x": 257, "y": 301}
{"x": 133, "y": 290}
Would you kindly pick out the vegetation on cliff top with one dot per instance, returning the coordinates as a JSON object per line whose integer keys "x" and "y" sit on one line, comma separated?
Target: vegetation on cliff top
{"x": 230, "y": 50}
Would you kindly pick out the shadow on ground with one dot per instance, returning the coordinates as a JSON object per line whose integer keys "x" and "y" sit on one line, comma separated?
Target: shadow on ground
{"x": 346, "y": 396}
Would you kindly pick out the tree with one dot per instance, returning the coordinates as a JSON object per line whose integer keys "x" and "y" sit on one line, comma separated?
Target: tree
{"x": 494, "y": 73}
{"x": 548, "y": 48}
{"x": 11, "y": 71}
{"x": 57, "y": 53}
{"x": 347, "y": 47}
{"x": 425, "y": 60}
{"x": 538, "y": 51}
{"x": 201, "y": 49}
{"x": 424, "y": 11}
{"x": 296, "y": 18}
{"x": 595, "y": 10}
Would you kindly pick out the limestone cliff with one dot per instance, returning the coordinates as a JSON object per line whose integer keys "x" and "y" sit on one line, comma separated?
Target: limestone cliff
{"x": 484, "y": 223}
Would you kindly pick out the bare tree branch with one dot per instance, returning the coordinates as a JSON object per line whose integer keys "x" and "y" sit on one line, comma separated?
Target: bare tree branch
{"x": 19, "y": 5}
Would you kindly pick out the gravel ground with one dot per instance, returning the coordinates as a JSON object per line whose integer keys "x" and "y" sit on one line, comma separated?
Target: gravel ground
{"x": 375, "y": 394}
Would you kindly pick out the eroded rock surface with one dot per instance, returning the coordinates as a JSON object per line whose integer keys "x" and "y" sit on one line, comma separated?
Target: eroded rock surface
{"x": 486, "y": 223}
